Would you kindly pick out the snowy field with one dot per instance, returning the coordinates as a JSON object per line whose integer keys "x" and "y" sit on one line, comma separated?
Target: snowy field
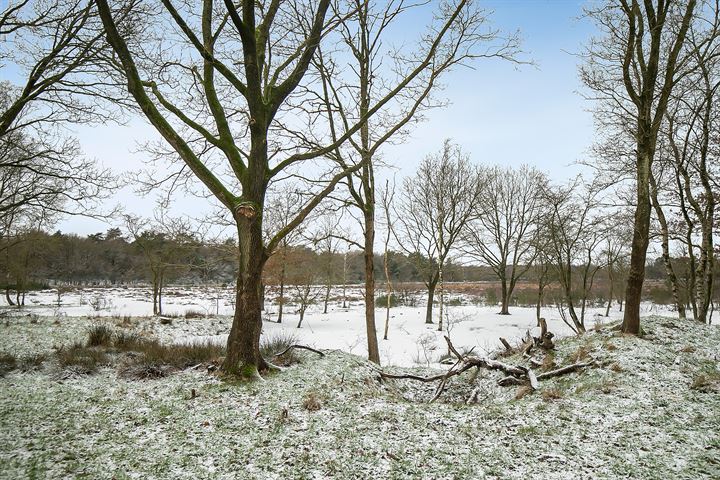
{"x": 410, "y": 341}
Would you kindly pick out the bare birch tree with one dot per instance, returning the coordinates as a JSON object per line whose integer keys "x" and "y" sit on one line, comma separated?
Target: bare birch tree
{"x": 435, "y": 207}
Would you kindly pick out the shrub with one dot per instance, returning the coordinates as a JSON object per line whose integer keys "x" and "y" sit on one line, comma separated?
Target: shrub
{"x": 81, "y": 359}
{"x": 194, "y": 314}
{"x": 276, "y": 342}
{"x": 99, "y": 335}
{"x": 381, "y": 301}
{"x": 490, "y": 297}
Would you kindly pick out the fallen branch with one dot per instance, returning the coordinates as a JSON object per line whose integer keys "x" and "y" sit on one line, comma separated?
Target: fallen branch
{"x": 565, "y": 369}
{"x": 303, "y": 347}
{"x": 513, "y": 380}
{"x": 516, "y": 375}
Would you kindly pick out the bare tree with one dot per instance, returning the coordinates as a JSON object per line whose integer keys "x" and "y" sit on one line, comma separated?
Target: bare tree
{"x": 435, "y": 207}
{"x": 63, "y": 73}
{"x": 632, "y": 69}
{"x": 574, "y": 234}
{"x": 282, "y": 206}
{"x": 387, "y": 197}
{"x": 327, "y": 240}
{"x": 303, "y": 279}
{"x": 616, "y": 238}
{"x": 234, "y": 125}
{"x": 459, "y": 34}
{"x": 166, "y": 246}
{"x": 506, "y": 221}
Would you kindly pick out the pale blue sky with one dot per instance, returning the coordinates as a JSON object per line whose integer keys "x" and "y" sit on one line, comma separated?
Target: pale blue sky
{"x": 499, "y": 113}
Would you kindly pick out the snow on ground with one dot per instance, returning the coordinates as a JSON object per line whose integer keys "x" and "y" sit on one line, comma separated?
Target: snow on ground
{"x": 641, "y": 414}
{"x": 410, "y": 340}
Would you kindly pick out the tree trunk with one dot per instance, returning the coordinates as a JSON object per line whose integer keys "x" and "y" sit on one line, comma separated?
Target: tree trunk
{"x": 262, "y": 296}
{"x": 243, "y": 346}
{"x": 302, "y": 316}
{"x": 8, "y": 297}
{"x": 431, "y": 297}
{"x": 610, "y": 296}
{"x": 344, "y": 294}
{"x": 327, "y": 298}
{"x": 640, "y": 241}
{"x": 160, "y": 290}
{"x": 442, "y": 296}
{"x": 281, "y": 299}
{"x": 373, "y": 348}
{"x": 538, "y": 306}
{"x": 155, "y": 293}
{"x": 388, "y": 290}
{"x": 505, "y": 294}
{"x": 665, "y": 243}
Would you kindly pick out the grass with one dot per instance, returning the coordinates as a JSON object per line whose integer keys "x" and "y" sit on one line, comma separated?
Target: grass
{"x": 277, "y": 342}
{"x": 99, "y": 335}
{"x": 8, "y": 363}
{"x": 82, "y": 359}
{"x": 134, "y": 356}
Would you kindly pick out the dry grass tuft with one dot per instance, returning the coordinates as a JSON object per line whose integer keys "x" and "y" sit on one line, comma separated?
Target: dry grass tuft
{"x": 615, "y": 367}
{"x": 99, "y": 336}
{"x": 8, "y": 363}
{"x": 276, "y": 342}
{"x": 582, "y": 353}
{"x": 706, "y": 383}
{"x": 523, "y": 391}
{"x": 550, "y": 394}
{"x": 81, "y": 359}
{"x": 312, "y": 402}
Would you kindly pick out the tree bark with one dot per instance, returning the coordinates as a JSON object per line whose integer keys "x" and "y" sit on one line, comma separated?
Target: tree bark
{"x": 281, "y": 299}
{"x": 8, "y": 297}
{"x": 505, "y": 294}
{"x": 373, "y": 348}
{"x": 640, "y": 240}
{"x": 243, "y": 353}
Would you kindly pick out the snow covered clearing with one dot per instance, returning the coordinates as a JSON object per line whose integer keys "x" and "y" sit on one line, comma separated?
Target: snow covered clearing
{"x": 410, "y": 340}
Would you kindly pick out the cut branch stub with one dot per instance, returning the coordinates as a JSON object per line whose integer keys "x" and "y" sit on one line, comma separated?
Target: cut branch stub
{"x": 246, "y": 209}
